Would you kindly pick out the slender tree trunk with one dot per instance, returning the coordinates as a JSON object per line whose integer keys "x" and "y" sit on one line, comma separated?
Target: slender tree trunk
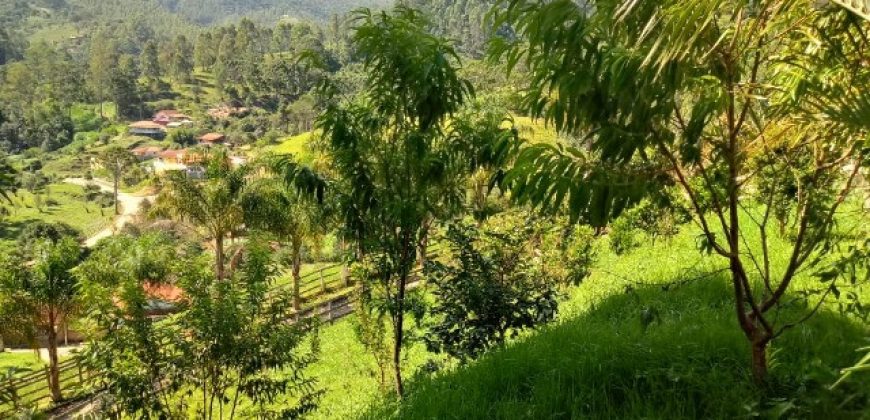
{"x": 423, "y": 249}
{"x": 297, "y": 266}
{"x": 219, "y": 256}
{"x": 117, "y": 204}
{"x": 53, "y": 372}
{"x": 398, "y": 334}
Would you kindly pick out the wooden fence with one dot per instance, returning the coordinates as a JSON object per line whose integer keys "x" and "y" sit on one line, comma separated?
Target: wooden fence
{"x": 331, "y": 292}
{"x": 32, "y": 390}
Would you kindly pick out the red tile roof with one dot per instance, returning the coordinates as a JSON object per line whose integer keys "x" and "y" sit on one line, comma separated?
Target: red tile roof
{"x": 212, "y": 137}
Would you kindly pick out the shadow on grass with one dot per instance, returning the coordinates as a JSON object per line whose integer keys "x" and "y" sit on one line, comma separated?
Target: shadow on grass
{"x": 9, "y": 230}
{"x": 690, "y": 362}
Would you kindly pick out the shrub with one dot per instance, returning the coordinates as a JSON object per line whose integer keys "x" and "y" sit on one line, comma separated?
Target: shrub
{"x": 623, "y": 235}
{"x": 492, "y": 291}
{"x": 579, "y": 254}
{"x": 182, "y": 136}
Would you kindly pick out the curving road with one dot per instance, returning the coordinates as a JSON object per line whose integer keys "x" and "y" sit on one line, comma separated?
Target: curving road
{"x": 129, "y": 207}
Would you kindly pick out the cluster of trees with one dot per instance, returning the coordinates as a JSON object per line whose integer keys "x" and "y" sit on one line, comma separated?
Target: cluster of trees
{"x": 270, "y": 68}
{"x": 463, "y": 21}
{"x": 261, "y": 65}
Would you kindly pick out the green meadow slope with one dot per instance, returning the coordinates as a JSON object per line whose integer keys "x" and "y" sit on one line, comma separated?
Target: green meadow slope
{"x": 652, "y": 334}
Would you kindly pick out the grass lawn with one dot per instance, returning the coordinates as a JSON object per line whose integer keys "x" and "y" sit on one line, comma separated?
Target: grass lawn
{"x": 69, "y": 207}
{"x": 600, "y": 361}
{"x": 21, "y": 360}
{"x": 295, "y": 145}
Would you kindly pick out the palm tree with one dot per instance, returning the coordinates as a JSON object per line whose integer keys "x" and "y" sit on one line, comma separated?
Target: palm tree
{"x": 293, "y": 216}
{"x": 41, "y": 294}
{"x": 213, "y": 204}
{"x": 705, "y": 95}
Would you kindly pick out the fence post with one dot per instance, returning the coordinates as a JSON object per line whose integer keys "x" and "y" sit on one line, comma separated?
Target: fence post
{"x": 329, "y": 308}
{"x": 48, "y": 381}
{"x": 345, "y": 275}
{"x": 322, "y": 283}
{"x": 13, "y": 393}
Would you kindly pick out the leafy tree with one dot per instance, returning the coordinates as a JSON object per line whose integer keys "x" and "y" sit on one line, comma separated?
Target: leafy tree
{"x": 43, "y": 291}
{"x": 102, "y": 59}
{"x": 149, "y": 63}
{"x": 182, "y": 59}
{"x": 389, "y": 150}
{"x": 39, "y": 231}
{"x": 117, "y": 160}
{"x": 204, "y": 51}
{"x": 182, "y": 136}
{"x": 228, "y": 353}
{"x": 490, "y": 292}
{"x": 124, "y": 88}
{"x": 8, "y": 179}
{"x": 687, "y": 93}
{"x": 224, "y": 71}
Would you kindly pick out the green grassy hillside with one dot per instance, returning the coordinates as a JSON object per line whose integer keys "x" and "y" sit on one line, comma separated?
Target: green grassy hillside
{"x": 599, "y": 361}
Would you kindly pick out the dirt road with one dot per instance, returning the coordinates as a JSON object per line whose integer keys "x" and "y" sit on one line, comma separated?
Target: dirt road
{"x": 129, "y": 207}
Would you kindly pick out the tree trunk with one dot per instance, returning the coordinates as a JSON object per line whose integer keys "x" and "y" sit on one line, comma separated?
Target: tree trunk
{"x": 759, "y": 362}
{"x": 53, "y": 372}
{"x": 219, "y": 256}
{"x": 398, "y": 336}
{"x": 423, "y": 250}
{"x": 297, "y": 266}
{"x": 117, "y": 204}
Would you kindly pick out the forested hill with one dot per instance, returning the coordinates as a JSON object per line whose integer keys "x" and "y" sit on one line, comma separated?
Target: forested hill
{"x": 460, "y": 20}
{"x": 208, "y": 12}
{"x": 29, "y": 17}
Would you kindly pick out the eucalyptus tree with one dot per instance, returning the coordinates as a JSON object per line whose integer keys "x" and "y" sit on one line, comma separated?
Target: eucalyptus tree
{"x": 42, "y": 294}
{"x": 213, "y": 204}
{"x": 691, "y": 93}
{"x": 394, "y": 162}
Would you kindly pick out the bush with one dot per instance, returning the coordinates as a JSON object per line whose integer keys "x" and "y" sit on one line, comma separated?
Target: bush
{"x": 492, "y": 291}
{"x": 41, "y": 230}
{"x": 623, "y": 235}
{"x": 579, "y": 254}
{"x": 182, "y": 136}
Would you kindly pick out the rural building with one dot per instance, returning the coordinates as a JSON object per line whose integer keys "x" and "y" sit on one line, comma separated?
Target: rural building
{"x": 147, "y": 152}
{"x": 212, "y": 139}
{"x": 171, "y": 116}
{"x": 148, "y": 129}
{"x": 182, "y": 160}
